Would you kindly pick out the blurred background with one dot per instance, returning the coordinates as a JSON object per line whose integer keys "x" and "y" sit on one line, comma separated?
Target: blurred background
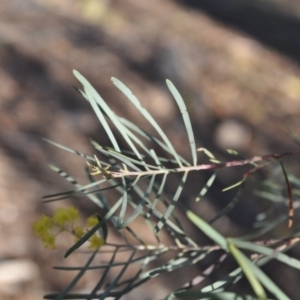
{"x": 236, "y": 64}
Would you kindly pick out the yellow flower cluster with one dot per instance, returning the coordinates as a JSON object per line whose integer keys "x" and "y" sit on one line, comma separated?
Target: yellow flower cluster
{"x": 65, "y": 220}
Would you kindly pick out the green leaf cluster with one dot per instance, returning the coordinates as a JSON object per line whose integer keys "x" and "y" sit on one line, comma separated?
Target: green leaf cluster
{"x": 128, "y": 186}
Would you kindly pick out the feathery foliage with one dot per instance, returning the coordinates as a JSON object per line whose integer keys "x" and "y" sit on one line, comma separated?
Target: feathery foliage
{"x": 129, "y": 187}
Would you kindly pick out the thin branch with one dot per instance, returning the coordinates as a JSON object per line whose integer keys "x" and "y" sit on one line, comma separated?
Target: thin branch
{"x": 235, "y": 163}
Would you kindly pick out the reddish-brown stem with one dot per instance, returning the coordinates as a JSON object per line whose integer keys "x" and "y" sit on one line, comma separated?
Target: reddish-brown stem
{"x": 235, "y": 163}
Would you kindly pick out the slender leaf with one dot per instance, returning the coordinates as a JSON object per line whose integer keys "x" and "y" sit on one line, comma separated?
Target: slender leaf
{"x": 247, "y": 268}
{"x": 127, "y": 92}
{"x": 76, "y": 184}
{"x": 141, "y": 205}
{"x": 85, "y": 238}
{"x": 195, "y": 295}
{"x": 207, "y": 229}
{"x": 91, "y": 95}
{"x": 63, "y": 294}
{"x": 208, "y": 184}
{"x": 292, "y": 262}
{"x": 171, "y": 207}
{"x": 186, "y": 119}
{"x": 124, "y": 203}
{"x": 255, "y": 271}
{"x": 151, "y": 138}
{"x": 290, "y": 197}
{"x": 68, "y": 149}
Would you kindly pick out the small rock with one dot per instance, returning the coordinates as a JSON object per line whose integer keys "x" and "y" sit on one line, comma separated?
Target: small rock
{"x": 232, "y": 134}
{"x": 14, "y": 273}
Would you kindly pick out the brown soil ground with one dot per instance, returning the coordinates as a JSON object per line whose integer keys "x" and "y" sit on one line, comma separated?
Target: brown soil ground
{"x": 237, "y": 68}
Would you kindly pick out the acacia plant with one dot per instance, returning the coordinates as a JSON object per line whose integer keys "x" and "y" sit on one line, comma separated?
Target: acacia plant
{"x": 129, "y": 186}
